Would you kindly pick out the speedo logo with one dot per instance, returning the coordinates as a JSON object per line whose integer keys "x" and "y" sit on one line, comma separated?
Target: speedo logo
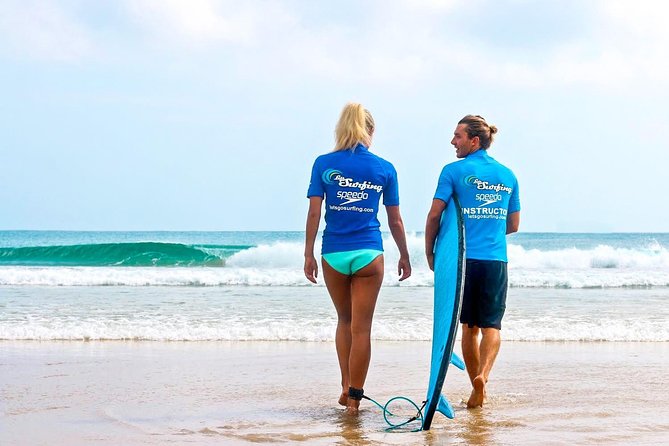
{"x": 488, "y": 199}
{"x": 351, "y": 196}
{"x": 473, "y": 181}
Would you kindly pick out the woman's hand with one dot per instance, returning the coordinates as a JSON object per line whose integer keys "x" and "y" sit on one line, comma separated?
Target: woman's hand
{"x": 404, "y": 268}
{"x": 313, "y": 219}
{"x": 397, "y": 230}
{"x": 311, "y": 268}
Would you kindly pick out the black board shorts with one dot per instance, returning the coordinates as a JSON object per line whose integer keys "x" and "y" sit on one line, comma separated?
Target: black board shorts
{"x": 484, "y": 297}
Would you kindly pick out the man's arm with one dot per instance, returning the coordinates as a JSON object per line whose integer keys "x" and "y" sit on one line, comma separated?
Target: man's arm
{"x": 512, "y": 222}
{"x": 432, "y": 228}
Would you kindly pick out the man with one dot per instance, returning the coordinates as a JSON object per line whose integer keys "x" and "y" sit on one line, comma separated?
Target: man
{"x": 488, "y": 194}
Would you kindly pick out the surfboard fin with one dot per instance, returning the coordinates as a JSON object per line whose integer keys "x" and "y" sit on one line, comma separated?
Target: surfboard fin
{"x": 445, "y": 407}
{"x": 457, "y": 361}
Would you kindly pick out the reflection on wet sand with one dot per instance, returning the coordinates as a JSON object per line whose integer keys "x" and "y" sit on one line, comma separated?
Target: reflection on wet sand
{"x": 477, "y": 429}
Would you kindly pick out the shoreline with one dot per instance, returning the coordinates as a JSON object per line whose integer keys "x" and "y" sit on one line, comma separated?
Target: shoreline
{"x": 244, "y": 392}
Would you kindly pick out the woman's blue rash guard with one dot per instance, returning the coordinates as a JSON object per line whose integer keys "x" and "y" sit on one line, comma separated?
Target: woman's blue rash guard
{"x": 488, "y": 192}
{"x": 352, "y": 182}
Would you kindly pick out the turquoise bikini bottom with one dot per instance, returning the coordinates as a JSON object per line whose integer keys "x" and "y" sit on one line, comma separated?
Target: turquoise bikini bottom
{"x": 350, "y": 262}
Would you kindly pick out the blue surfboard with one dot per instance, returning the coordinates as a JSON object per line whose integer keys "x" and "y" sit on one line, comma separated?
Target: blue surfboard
{"x": 449, "y": 275}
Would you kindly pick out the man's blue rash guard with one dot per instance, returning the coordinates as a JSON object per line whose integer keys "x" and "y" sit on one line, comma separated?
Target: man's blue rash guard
{"x": 488, "y": 193}
{"x": 352, "y": 182}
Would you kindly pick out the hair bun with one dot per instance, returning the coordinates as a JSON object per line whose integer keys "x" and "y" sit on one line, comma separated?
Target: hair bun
{"x": 493, "y": 129}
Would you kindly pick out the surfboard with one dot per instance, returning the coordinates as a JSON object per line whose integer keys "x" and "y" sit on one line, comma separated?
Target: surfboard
{"x": 449, "y": 282}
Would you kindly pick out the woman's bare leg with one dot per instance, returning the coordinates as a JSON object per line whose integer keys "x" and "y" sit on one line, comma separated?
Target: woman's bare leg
{"x": 339, "y": 287}
{"x": 354, "y": 298}
{"x": 365, "y": 286}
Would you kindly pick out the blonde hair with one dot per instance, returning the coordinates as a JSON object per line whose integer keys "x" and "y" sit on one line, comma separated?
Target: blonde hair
{"x": 355, "y": 125}
{"x": 477, "y": 126}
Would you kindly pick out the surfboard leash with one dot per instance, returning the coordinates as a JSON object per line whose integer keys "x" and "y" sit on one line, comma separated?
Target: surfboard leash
{"x": 386, "y": 413}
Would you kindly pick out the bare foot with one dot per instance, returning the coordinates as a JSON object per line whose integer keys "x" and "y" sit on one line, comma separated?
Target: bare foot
{"x": 478, "y": 394}
{"x": 352, "y": 407}
{"x": 343, "y": 398}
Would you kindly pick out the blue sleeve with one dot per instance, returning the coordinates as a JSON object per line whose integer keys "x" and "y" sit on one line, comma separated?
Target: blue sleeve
{"x": 316, "y": 183}
{"x": 445, "y": 186}
{"x": 514, "y": 201}
{"x": 391, "y": 191}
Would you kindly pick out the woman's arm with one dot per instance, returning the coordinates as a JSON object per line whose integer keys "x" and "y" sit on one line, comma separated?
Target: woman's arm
{"x": 432, "y": 228}
{"x": 313, "y": 220}
{"x": 397, "y": 230}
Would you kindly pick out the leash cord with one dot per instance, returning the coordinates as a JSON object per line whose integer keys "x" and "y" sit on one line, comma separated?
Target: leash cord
{"x": 386, "y": 413}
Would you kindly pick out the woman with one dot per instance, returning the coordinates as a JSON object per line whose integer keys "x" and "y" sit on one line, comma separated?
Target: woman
{"x": 352, "y": 180}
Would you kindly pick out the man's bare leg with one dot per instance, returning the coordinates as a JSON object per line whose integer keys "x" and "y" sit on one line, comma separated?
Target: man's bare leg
{"x": 470, "y": 350}
{"x": 488, "y": 350}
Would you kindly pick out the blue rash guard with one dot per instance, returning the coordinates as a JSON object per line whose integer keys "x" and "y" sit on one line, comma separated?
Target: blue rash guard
{"x": 352, "y": 182}
{"x": 488, "y": 192}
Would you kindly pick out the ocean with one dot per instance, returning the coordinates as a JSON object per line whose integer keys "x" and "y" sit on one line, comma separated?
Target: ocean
{"x": 249, "y": 286}
{"x": 217, "y": 338}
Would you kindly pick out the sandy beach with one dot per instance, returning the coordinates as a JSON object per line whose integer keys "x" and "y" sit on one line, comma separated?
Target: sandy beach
{"x": 76, "y": 393}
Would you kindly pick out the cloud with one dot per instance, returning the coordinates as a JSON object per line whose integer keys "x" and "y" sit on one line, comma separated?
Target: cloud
{"x": 399, "y": 44}
{"x": 626, "y": 46}
{"x": 205, "y": 23}
{"x": 41, "y": 30}
{"x": 638, "y": 32}
{"x": 424, "y": 43}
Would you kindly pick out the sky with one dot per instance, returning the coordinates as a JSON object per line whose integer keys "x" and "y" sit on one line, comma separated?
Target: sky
{"x": 207, "y": 115}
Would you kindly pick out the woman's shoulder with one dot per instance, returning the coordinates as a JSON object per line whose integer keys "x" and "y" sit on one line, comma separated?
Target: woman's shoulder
{"x": 324, "y": 157}
{"x": 382, "y": 161}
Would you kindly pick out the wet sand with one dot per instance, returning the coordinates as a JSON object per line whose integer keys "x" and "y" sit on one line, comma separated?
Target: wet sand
{"x": 79, "y": 393}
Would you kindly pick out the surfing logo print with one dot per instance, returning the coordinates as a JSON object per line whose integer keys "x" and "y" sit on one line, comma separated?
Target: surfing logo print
{"x": 330, "y": 175}
{"x": 359, "y": 190}
{"x": 473, "y": 181}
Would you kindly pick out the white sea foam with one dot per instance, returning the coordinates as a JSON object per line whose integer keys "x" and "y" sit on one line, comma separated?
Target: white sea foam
{"x": 165, "y": 330}
{"x": 549, "y": 329}
{"x": 245, "y": 313}
{"x": 293, "y": 277}
{"x": 277, "y": 255}
{"x": 601, "y": 257}
{"x": 651, "y": 257}
{"x": 280, "y": 264}
{"x": 292, "y": 329}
